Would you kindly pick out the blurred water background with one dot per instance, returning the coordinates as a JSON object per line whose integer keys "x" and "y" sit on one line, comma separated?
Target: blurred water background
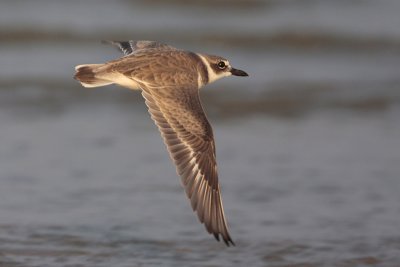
{"x": 308, "y": 146}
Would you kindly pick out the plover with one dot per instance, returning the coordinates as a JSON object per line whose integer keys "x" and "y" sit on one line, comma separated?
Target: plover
{"x": 170, "y": 80}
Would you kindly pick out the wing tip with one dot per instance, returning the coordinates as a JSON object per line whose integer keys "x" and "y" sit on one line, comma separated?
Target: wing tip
{"x": 227, "y": 240}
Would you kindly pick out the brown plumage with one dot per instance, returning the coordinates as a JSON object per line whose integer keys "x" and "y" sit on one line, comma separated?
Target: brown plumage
{"x": 170, "y": 80}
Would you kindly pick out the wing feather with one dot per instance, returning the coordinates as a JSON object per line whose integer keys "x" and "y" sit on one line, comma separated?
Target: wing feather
{"x": 130, "y": 47}
{"x": 188, "y": 136}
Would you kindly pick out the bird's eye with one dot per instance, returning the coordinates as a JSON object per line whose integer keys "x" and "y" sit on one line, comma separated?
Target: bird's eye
{"x": 221, "y": 65}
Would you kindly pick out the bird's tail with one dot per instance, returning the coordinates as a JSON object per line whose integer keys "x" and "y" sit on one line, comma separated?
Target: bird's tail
{"x": 86, "y": 75}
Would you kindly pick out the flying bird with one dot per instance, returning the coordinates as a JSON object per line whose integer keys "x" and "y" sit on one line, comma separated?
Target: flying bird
{"x": 170, "y": 79}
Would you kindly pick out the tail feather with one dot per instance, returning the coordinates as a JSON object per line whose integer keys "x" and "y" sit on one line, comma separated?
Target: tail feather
{"x": 86, "y": 75}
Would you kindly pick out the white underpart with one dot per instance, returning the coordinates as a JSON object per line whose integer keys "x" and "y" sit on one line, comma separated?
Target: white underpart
{"x": 212, "y": 76}
{"x": 199, "y": 80}
{"x": 123, "y": 80}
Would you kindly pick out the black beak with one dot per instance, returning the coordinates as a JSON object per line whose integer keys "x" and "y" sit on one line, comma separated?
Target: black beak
{"x": 237, "y": 72}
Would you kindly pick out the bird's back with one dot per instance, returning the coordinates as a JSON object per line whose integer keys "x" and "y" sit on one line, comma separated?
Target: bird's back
{"x": 157, "y": 68}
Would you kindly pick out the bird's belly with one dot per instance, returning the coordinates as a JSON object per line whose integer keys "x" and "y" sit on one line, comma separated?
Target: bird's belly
{"x": 123, "y": 81}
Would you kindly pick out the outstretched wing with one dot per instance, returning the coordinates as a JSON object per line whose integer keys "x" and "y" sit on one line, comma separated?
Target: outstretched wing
{"x": 129, "y": 47}
{"x": 188, "y": 135}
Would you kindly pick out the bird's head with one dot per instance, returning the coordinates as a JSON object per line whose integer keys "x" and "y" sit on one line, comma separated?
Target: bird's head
{"x": 219, "y": 67}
